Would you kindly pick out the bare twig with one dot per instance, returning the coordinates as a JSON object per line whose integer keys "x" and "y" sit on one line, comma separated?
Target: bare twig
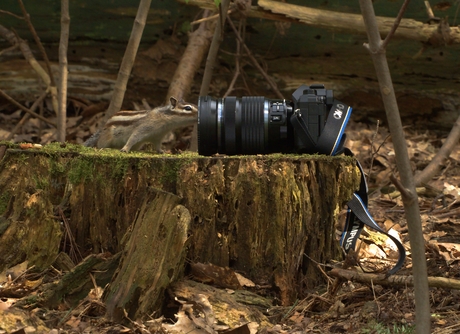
{"x": 411, "y": 208}
{"x": 430, "y": 13}
{"x": 27, "y": 53}
{"x": 26, "y": 116}
{"x": 237, "y": 64}
{"x": 405, "y": 193}
{"x": 37, "y": 41}
{"x": 74, "y": 251}
{"x": 395, "y": 24}
{"x": 12, "y": 14}
{"x": 214, "y": 47}
{"x": 11, "y": 48}
{"x": 255, "y": 62}
{"x": 20, "y": 106}
{"x": 182, "y": 80}
{"x": 128, "y": 60}
{"x": 63, "y": 69}
{"x": 52, "y": 83}
{"x": 441, "y": 156}
{"x": 209, "y": 18}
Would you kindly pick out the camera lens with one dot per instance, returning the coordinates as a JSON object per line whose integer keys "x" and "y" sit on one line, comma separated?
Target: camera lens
{"x": 247, "y": 125}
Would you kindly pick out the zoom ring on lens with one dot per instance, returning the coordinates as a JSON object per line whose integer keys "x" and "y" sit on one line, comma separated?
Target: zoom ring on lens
{"x": 252, "y": 125}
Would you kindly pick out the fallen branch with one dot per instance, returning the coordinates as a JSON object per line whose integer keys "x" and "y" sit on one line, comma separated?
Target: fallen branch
{"x": 394, "y": 280}
{"x": 408, "y": 28}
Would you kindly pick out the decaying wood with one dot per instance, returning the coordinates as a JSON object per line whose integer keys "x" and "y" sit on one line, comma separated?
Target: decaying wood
{"x": 228, "y": 309}
{"x": 410, "y": 29}
{"x": 28, "y": 228}
{"x": 153, "y": 257}
{"x": 14, "y": 320}
{"x": 394, "y": 280}
{"x": 74, "y": 283}
{"x": 250, "y": 212}
{"x": 247, "y": 213}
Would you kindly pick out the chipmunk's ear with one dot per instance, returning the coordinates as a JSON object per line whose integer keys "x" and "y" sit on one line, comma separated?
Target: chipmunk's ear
{"x": 173, "y": 101}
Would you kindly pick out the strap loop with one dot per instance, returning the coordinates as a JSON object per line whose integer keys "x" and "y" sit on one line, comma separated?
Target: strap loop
{"x": 330, "y": 142}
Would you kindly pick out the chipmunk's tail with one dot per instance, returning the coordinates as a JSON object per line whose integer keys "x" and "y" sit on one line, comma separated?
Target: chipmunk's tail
{"x": 92, "y": 141}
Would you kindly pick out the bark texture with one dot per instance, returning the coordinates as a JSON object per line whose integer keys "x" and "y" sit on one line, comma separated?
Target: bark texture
{"x": 270, "y": 217}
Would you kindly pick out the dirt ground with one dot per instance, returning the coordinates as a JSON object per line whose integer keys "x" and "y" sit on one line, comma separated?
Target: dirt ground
{"x": 355, "y": 308}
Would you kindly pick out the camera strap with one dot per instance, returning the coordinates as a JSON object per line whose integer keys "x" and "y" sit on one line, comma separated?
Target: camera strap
{"x": 358, "y": 216}
{"x": 330, "y": 142}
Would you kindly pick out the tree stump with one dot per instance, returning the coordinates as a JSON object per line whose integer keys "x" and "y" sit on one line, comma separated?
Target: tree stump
{"x": 270, "y": 218}
{"x": 153, "y": 257}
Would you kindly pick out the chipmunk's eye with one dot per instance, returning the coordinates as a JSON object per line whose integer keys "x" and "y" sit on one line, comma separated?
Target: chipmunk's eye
{"x": 188, "y": 108}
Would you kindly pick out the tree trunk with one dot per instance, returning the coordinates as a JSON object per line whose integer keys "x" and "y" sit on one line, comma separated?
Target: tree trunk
{"x": 269, "y": 217}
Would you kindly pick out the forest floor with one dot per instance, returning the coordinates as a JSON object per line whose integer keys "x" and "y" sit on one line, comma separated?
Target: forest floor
{"x": 355, "y": 308}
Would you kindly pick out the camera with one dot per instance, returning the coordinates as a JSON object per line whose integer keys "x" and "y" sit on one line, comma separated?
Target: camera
{"x": 312, "y": 122}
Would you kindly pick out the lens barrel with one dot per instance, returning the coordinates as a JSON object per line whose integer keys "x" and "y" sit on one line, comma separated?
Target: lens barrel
{"x": 247, "y": 125}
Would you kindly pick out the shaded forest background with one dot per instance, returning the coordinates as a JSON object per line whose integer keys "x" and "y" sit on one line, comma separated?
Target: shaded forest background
{"x": 426, "y": 77}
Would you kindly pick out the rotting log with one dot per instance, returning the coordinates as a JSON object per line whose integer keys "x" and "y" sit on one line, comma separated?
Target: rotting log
{"x": 227, "y": 309}
{"x": 153, "y": 257}
{"x": 272, "y": 217}
{"x": 436, "y": 35}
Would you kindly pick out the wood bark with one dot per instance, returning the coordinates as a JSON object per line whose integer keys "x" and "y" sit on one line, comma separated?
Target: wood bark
{"x": 440, "y": 34}
{"x": 271, "y": 218}
{"x": 228, "y": 309}
{"x": 128, "y": 59}
{"x": 153, "y": 257}
{"x": 63, "y": 69}
{"x": 407, "y": 187}
{"x": 197, "y": 47}
{"x": 395, "y": 280}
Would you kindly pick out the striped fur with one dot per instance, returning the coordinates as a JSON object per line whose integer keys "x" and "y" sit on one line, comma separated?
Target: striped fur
{"x": 128, "y": 130}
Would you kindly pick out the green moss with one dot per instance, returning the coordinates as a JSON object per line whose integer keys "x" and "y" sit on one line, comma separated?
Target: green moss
{"x": 4, "y": 200}
{"x": 172, "y": 165}
{"x": 57, "y": 167}
{"x": 81, "y": 170}
{"x": 8, "y": 144}
{"x": 40, "y": 182}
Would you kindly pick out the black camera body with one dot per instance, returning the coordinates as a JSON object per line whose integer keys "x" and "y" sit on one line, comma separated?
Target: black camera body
{"x": 256, "y": 125}
{"x": 312, "y": 122}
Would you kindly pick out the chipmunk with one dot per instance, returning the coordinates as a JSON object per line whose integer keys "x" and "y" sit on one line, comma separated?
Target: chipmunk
{"x": 130, "y": 129}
